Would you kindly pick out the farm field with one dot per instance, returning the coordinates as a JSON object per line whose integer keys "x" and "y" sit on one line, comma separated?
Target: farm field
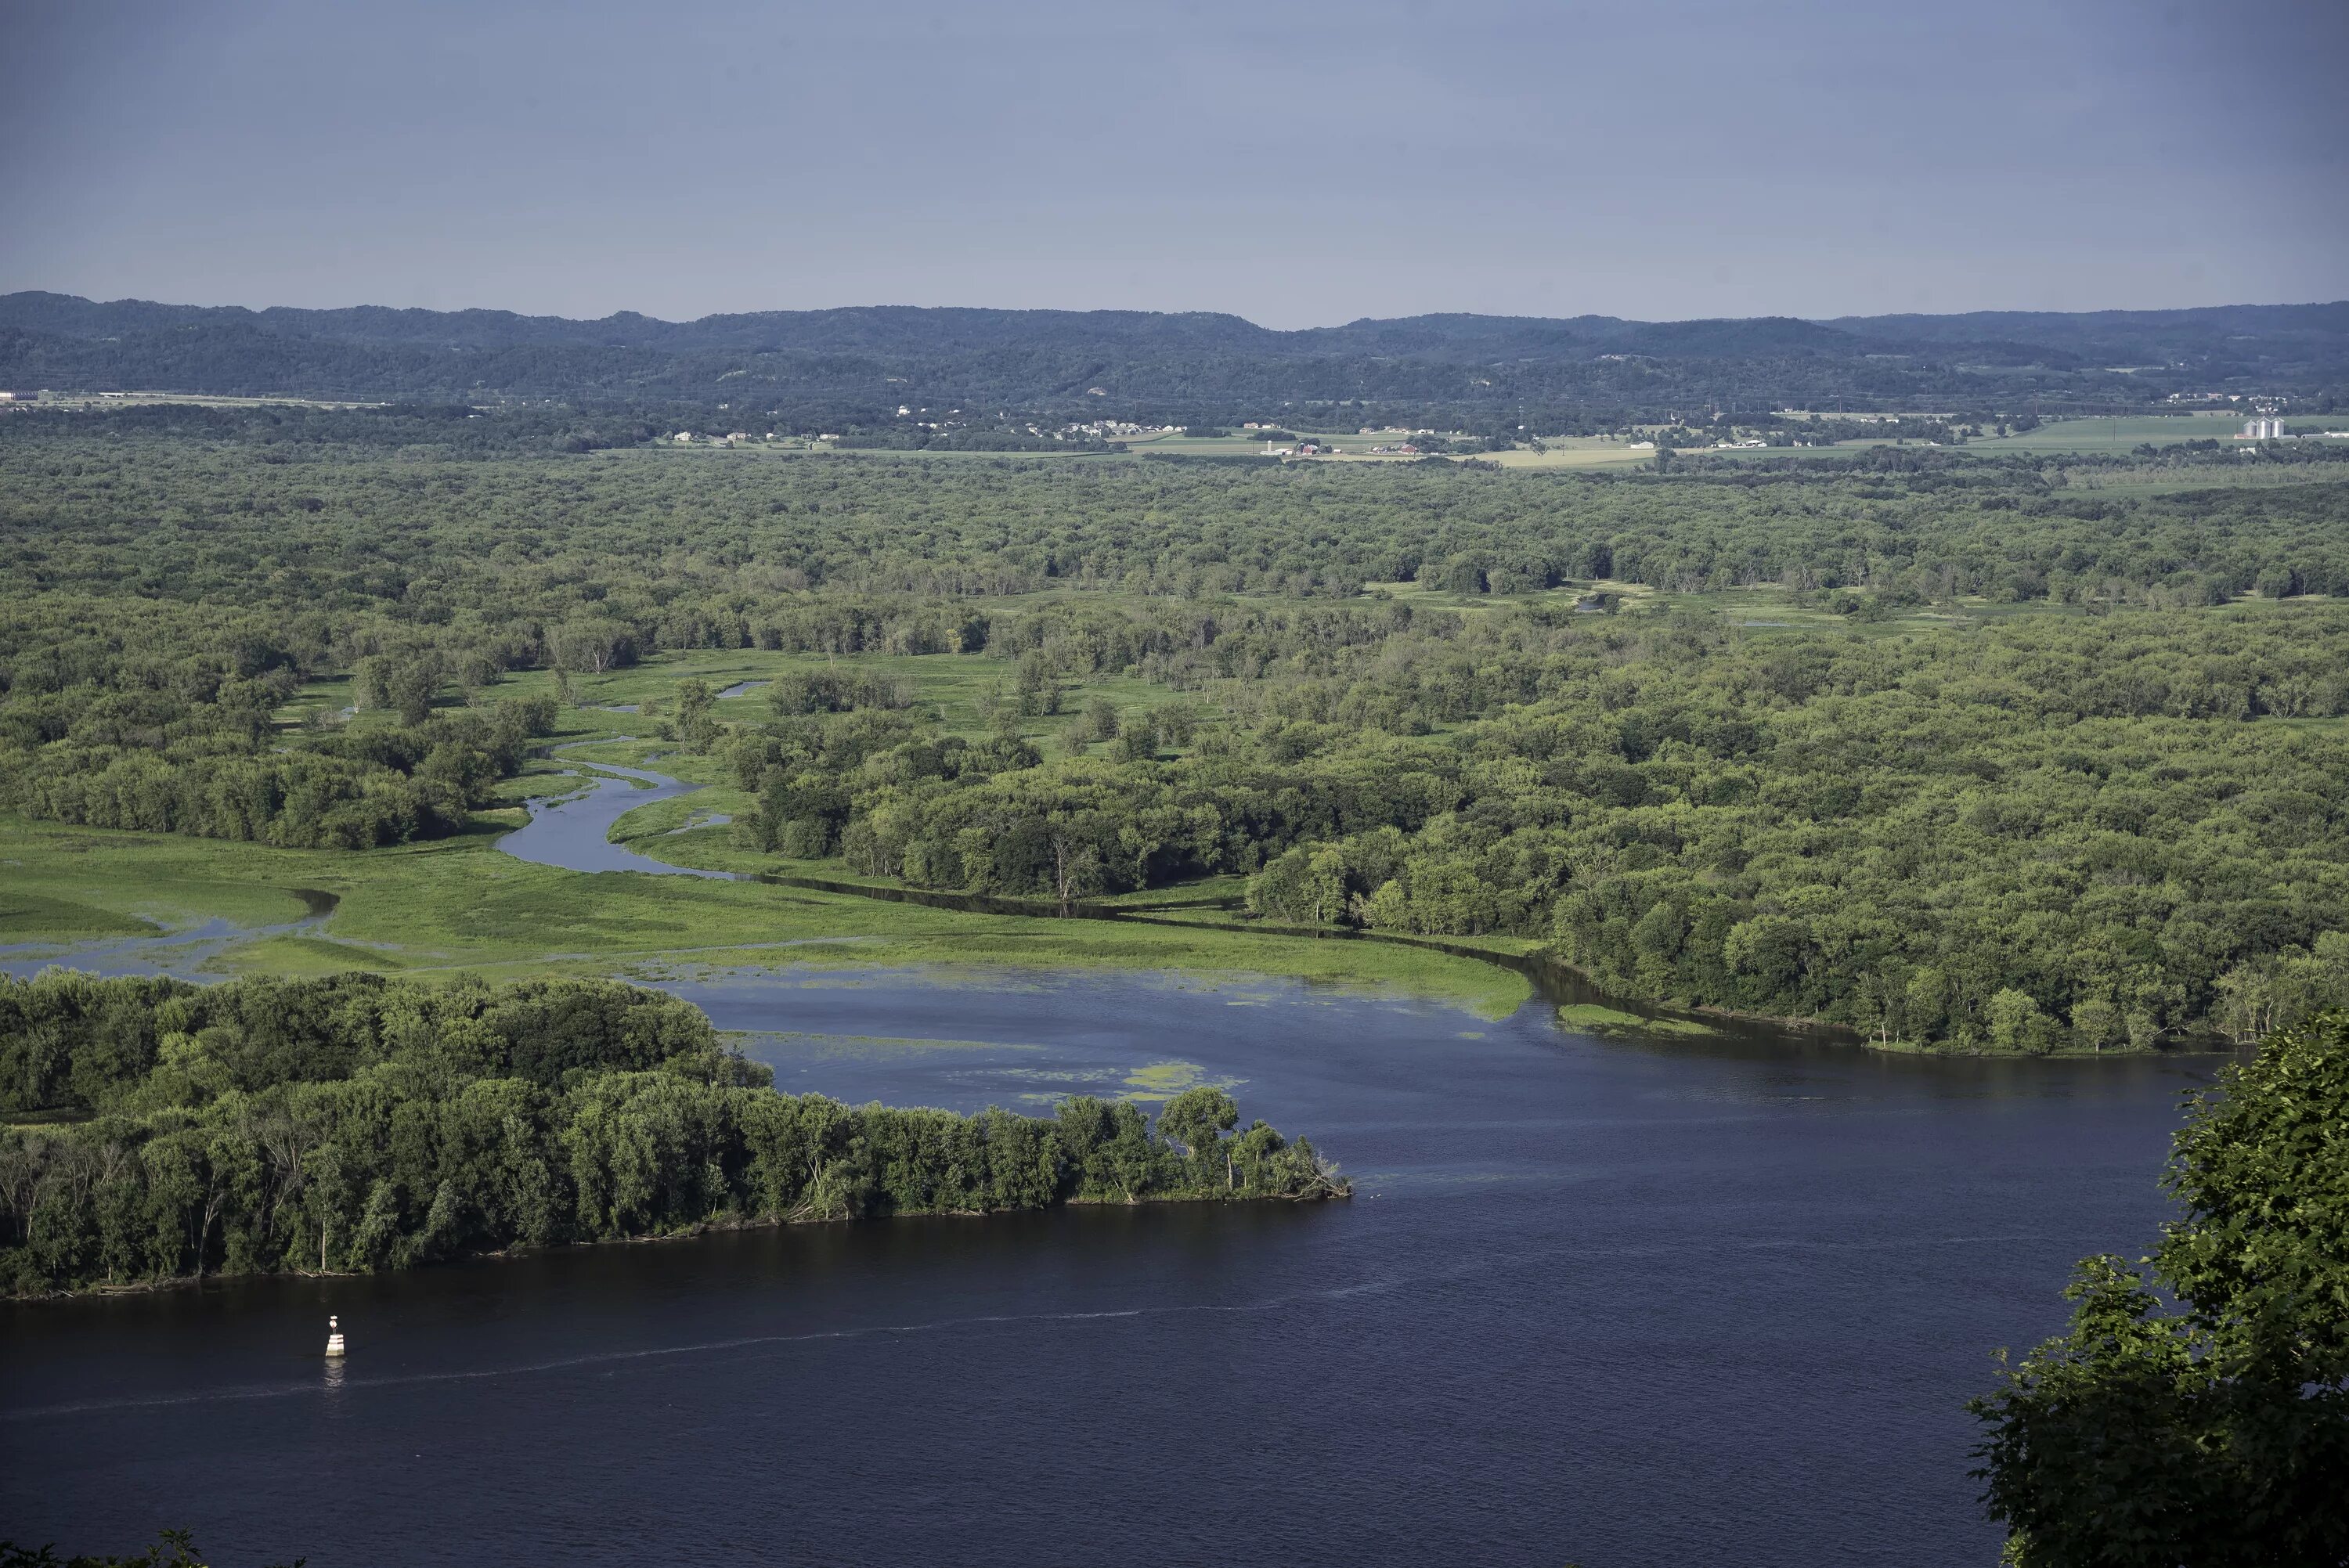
{"x": 2114, "y": 436}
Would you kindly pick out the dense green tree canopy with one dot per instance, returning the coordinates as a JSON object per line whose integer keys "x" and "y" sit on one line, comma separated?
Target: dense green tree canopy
{"x": 357, "y": 1123}
{"x": 2198, "y": 1411}
{"x": 2063, "y": 769}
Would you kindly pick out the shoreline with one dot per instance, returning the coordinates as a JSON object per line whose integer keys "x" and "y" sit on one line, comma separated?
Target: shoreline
{"x": 1341, "y": 1191}
{"x": 189, "y": 1282}
{"x": 857, "y": 924}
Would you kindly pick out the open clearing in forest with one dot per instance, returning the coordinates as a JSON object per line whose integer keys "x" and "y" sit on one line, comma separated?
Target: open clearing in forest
{"x": 2114, "y": 437}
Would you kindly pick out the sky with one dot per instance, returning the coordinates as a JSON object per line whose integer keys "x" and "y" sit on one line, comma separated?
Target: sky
{"x": 1300, "y": 164}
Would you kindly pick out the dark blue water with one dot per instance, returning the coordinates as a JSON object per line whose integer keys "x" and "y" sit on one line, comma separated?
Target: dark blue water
{"x": 1615, "y": 1303}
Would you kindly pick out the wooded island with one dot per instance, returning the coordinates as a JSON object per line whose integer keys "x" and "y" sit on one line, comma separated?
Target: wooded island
{"x": 357, "y": 1123}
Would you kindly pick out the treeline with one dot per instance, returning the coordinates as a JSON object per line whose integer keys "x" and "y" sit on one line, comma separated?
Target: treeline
{"x": 356, "y": 1122}
{"x": 286, "y": 432}
{"x": 172, "y": 1549}
{"x": 197, "y": 753}
{"x": 2222, "y": 463}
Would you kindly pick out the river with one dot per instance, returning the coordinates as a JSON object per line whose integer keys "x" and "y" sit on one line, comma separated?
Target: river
{"x": 1619, "y": 1302}
{"x": 572, "y": 831}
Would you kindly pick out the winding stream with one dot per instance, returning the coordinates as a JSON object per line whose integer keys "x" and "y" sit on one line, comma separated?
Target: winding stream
{"x": 571, "y": 831}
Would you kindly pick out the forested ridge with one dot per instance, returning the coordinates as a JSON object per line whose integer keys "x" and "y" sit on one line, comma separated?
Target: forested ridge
{"x": 2037, "y": 769}
{"x": 1133, "y": 363}
{"x": 356, "y": 1123}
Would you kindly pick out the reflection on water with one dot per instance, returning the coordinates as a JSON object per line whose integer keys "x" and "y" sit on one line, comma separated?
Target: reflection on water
{"x": 1635, "y": 1305}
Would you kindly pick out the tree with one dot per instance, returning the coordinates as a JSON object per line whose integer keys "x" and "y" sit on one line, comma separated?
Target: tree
{"x": 1194, "y": 1118}
{"x": 174, "y": 1549}
{"x": 1098, "y": 721}
{"x": 698, "y": 729}
{"x": 593, "y": 644}
{"x": 2198, "y": 1411}
{"x": 2095, "y": 1022}
{"x": 1076, "y": 864}
{"x": 2015, "y": 1021}
{"x": 409, "y": 685}
{"x": 1039, "y": 685}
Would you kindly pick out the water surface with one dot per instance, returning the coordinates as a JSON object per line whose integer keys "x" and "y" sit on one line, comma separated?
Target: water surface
{"x": 1625, "y": 1304}
{"x": 186, "y": 954}
{"x": 571, "y": 831}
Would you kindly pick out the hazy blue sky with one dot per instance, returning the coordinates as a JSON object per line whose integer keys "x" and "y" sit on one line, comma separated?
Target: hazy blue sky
{"x": 1300, "y": 164}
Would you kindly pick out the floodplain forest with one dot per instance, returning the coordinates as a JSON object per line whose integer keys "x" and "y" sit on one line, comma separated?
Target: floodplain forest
{"x": 1943, "y": 750}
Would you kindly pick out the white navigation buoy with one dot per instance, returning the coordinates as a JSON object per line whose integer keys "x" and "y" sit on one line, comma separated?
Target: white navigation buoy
{"x": 334, "y": 1338}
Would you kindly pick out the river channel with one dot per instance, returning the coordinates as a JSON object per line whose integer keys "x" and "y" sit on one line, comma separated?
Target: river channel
{"x": 1622, "y": 1302}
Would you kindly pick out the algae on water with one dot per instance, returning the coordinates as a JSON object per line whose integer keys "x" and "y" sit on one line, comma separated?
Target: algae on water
{"x": 1591, "y": 1018}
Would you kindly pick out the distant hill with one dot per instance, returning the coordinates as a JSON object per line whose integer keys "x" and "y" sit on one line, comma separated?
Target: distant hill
{"x": 1149, "y": 365}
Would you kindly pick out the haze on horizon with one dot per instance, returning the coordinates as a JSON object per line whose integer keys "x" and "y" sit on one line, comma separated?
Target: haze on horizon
{"x": 1297, "y": 165}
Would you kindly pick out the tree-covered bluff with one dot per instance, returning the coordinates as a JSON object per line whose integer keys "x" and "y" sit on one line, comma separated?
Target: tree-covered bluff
{"x": 355, "y": 1122}
{"x": 1136, "y": 363}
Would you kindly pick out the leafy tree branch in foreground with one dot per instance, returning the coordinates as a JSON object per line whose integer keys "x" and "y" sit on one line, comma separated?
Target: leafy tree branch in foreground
{"x": 2198, "y": 1410}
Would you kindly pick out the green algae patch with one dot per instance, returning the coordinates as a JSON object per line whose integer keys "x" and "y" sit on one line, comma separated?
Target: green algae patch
{"x": 1591, "y": 1018}
{"x": 1164, "y": 1080}
{"x": 1161, "y": 1081}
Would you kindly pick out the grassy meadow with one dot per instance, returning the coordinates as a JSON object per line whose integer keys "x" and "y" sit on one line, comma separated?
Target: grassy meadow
{"x": 461, "y": 905}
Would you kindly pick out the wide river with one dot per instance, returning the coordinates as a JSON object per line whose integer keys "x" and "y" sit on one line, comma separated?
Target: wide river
{"x": 1605, "y": 1301}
